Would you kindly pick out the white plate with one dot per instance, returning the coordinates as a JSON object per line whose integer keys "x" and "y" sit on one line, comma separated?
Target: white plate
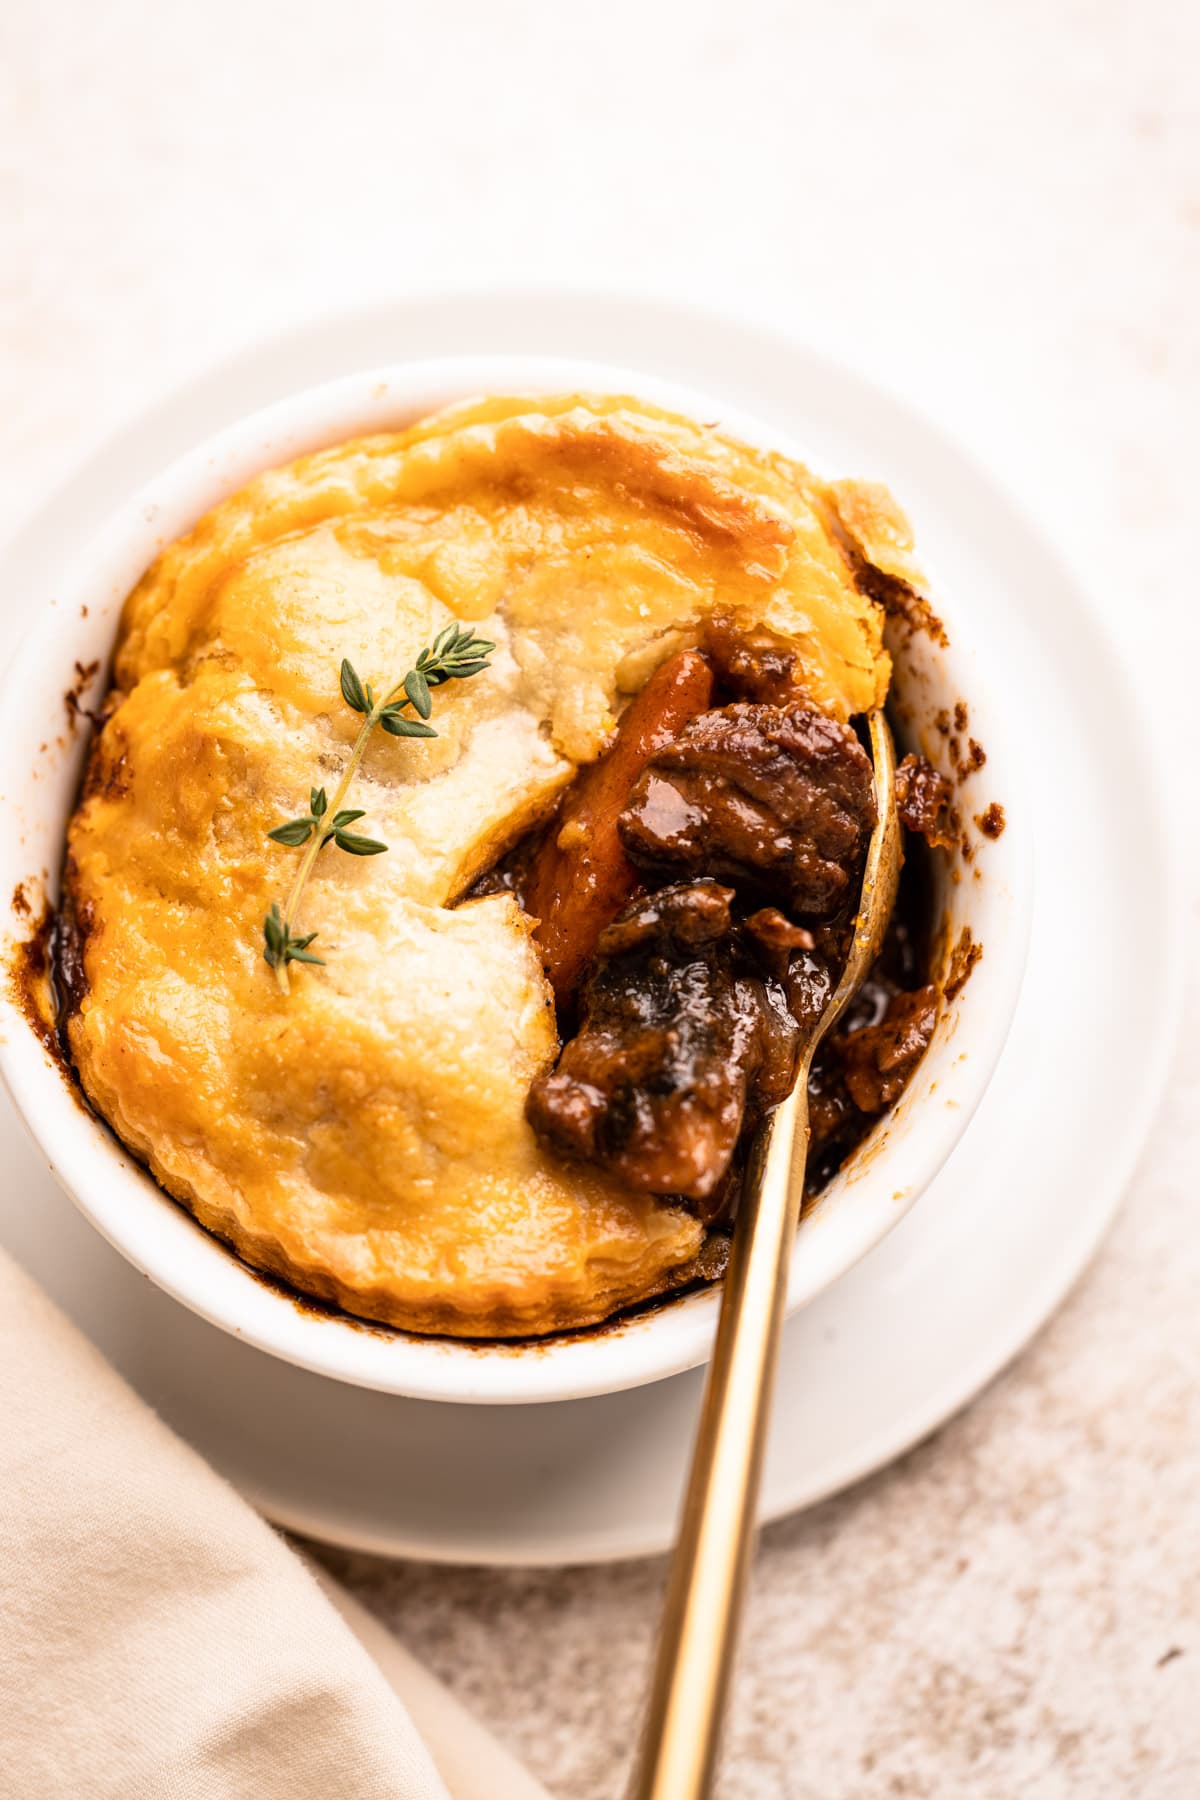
{"x": 994, "y": 1244}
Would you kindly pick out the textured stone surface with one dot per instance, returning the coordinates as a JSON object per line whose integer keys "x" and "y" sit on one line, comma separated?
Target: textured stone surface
{"x": 1012, "y": 1609}
{"x": 997, "y": 209}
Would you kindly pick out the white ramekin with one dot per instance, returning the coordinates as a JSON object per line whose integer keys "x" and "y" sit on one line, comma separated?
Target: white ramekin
{"x": 73, "y": 627}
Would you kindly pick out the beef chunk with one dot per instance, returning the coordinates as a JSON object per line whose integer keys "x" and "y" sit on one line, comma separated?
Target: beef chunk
{"x": 754, "y": 664}
{"x": 858, "y": 1075}
{"x": 777, "y": 936}
{"x": 924, "y": 799}
{"x": 877, "y": 1062}
{"x": 773, "y": 799}
{"x": 684, "y": 1039}
{"x": 834, "y": 1123}
{"x": 793, "y": 957}
{"x": 809, "y": 987}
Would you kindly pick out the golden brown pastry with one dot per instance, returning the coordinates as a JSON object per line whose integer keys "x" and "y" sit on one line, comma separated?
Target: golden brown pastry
{"x": 365, "y": 1136}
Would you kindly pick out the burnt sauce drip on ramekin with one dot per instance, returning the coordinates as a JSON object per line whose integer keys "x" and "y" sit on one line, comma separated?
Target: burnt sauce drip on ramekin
{"x": 698, "y": 887}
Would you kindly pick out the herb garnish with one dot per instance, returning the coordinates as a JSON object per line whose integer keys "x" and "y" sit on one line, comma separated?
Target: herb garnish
{"x": 454, "y": 654}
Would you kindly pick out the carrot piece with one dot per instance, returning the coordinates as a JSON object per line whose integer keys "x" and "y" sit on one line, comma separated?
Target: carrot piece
{"x": 581, "y": 878}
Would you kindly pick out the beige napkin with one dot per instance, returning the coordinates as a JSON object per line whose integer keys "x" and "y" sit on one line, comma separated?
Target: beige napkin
{"x": 158, "y": 1641}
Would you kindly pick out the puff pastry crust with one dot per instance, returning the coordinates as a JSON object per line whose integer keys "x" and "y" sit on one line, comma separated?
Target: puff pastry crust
{"x": 365, "y": 1138}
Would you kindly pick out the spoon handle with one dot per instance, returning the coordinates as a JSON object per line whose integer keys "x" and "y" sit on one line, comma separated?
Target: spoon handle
{"x": 708, "y": 1574}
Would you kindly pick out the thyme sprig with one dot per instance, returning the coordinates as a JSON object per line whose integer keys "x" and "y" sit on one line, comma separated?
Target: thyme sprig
{"x": 454, "y": 654}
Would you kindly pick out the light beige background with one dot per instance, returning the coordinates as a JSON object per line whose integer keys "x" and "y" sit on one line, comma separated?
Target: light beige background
{"x": 996, "y": 208}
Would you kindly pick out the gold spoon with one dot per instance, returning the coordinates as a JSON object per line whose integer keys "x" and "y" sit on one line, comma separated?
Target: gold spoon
{"x": 708, "y": 1574}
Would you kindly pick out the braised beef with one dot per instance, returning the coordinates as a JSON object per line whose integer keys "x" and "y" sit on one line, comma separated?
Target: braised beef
{"x": 753, "y": 664}
{"x": 777, "y": 936}
{"x": 877, "y": 1061}
{"x": 862, "y": 1072}
{"x": 751, "y": 824}
{"x": 833, "y": 1120}
{"x": 684, "y": 1039}
{"x": 924, "y": 799}
{"x": 776, "y": 800}
{"x": 808, "y": 984}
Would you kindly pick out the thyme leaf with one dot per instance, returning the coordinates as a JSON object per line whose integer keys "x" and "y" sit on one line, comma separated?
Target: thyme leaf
{"x": 280, "y": 947}
{"x": 454, "y": 655}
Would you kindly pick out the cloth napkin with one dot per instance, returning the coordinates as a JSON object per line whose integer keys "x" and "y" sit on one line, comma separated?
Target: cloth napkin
{"x": 158, "y": 1641}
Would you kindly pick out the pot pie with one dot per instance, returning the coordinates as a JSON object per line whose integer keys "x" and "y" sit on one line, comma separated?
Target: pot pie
{"x": 515, "y": 1096}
